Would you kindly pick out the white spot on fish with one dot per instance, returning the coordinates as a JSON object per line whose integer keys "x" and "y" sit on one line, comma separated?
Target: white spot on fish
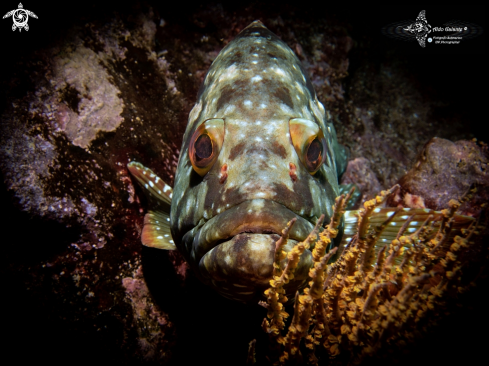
{"x": 166, "y": 235}
{"x": 170, "y": 195}
{"x": 254, "y": 62}
{"x": 263, "y": 105}
{"x": 228, "y": 74}
{"x": 157, "y": 179}
{"x": 256, "y": 78}
{"x": 255, "y": 55}
{"x": 151, "y": 184}
{"x": 167, "y": 188}
{"x": 279, "y": 71}
{"x": 229, "y": 109}
{"x": 157, "y": 228}
{"x": 145, "y": 185}
{"x": 248, "y": 103}
{"x": 285, "y": 108}
{"x": 159, "y": 237}
{"x": 171, "y": 241}
{"x": 258, "y": 139}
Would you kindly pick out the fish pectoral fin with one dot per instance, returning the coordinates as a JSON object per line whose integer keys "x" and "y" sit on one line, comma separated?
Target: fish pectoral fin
{"x": 156, "y": 231}
{"x": 391, "y": 230}
{"x": 154, "y": 188}
{"x": 351, "y": 222}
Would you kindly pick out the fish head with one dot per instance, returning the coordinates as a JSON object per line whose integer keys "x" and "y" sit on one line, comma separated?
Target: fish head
{"x": 258, "y": 151}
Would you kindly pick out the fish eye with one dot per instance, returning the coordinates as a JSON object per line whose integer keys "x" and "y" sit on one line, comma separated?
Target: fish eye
{"x": 205, "y": 145}
{"x": 314, "y": 154}
{"x": 309, "y": 143}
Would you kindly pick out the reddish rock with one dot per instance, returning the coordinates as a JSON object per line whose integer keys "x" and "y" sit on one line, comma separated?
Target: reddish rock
{"x": 445, "y": 170}
{"x": 360, "y": 173}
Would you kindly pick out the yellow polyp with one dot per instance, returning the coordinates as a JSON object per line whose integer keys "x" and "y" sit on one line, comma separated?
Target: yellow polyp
{"x": 451, "y": 256}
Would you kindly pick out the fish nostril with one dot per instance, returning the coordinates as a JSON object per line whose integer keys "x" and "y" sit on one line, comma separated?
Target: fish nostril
{"x": 223, "y": 174}
{"x": 292, "y": 171}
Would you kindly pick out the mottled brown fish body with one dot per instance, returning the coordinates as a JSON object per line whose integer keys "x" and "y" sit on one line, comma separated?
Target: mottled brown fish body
{"x": 258, "y": 151}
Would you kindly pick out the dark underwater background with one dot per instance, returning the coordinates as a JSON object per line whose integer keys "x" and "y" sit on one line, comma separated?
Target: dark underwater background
{"x": 166, "y": 316}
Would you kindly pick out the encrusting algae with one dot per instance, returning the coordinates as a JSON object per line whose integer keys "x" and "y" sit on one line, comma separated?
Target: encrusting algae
{"x": 374, "y": 295}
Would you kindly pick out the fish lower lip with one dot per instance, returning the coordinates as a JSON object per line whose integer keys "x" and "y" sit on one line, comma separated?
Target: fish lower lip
{"x": 258, "y": 216}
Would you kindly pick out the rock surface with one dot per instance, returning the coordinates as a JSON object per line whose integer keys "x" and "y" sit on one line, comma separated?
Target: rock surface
{"x": 446, "y": 170}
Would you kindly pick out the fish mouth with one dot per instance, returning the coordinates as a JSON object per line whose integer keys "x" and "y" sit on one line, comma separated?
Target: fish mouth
{"x": 235, "y": 250}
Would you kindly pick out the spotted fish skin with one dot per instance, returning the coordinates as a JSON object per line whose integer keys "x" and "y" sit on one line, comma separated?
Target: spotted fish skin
{"x": 226, "y": 222}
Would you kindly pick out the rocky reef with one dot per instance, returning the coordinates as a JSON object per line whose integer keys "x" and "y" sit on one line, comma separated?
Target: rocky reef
{"x": 84, "y": 94}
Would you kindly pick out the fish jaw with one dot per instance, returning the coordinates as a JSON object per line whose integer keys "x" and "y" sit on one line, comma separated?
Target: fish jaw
{"x": 235, "y": 249}
{"x": 256, "y": 216}
{"x": 241, "y": 268}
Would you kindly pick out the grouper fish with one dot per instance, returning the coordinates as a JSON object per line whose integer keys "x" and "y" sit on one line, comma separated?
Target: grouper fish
{"x": 259, "y": 150}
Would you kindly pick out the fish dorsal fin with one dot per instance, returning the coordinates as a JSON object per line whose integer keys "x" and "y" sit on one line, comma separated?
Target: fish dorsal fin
{"x": 380, "y": 215}
{"x": 154, "y": 187}
{"x": 156, "y": 231}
